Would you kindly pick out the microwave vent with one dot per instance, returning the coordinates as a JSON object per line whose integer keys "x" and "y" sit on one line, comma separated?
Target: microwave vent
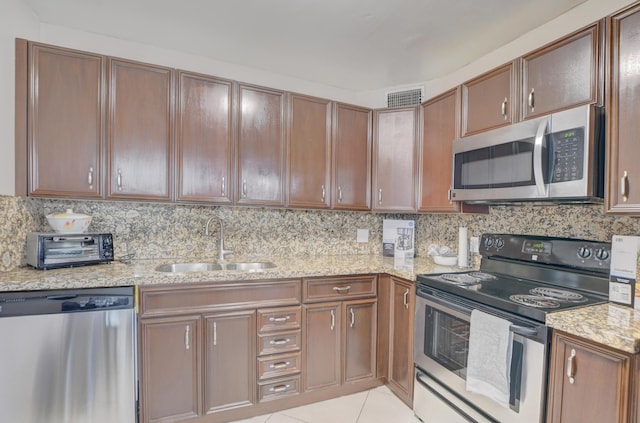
{"x": 410, "y": 97}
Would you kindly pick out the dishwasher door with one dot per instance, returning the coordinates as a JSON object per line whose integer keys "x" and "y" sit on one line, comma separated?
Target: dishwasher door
{"x": 69, "y": 367}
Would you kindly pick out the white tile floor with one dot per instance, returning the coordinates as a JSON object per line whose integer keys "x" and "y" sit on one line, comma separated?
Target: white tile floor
{"x": 377, "y": 405}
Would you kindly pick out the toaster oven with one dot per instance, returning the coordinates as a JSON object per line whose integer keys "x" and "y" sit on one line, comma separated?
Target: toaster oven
{"x": 54, "y": 250}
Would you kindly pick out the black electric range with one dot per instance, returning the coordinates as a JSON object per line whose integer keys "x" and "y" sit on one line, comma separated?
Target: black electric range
{"x": 531, "y": 275}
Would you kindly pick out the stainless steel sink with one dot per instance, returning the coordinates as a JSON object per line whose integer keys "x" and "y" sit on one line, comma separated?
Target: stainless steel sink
{"x": 244, "y": 266}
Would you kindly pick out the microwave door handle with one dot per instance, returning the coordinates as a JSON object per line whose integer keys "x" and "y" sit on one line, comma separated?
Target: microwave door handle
{"x": 537, "y": 158}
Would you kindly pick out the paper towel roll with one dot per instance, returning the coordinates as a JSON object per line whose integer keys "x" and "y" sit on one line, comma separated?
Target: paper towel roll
{"x": 463, "y": 248}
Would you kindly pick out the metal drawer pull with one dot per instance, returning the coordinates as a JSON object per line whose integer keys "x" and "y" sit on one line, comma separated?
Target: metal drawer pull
{"x": 279, "y": 388}
{"x": 280, "y": 365}
{"x": 187, "y": 344}
{"x": 119, "y": 180}
{"x": 279, "y": 319}
{"x": 503, "y": 109}
{"x": 624, "y": 182}
{"x": 353, "y": 317}
{"x": 570, "y": 370}
{"x": 339, "y": 195}
{"x": 281, "y": 341}
{"x": 532, "y": 99}
{"x": 342, "y": 288}
{"x": 405, "y": 300}
{"x": 244, "y": 188}
{"x": 224, "y": 189}
{"x": 324, "y": 193}
{"x": 380, "y": 196}
{"x": 333, "y": 320}
{"x": 90, "y": 177}
{"x": 215, "y": 333}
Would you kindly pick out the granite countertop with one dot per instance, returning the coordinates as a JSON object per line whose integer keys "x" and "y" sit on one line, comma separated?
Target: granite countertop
{"x": 610, "y": 324}
{"x": 142, "y": 272}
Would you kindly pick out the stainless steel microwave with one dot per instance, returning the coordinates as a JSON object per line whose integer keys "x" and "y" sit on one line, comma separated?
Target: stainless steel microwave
{"x": 54, "y": 250}
{"x": 559, "y": 157}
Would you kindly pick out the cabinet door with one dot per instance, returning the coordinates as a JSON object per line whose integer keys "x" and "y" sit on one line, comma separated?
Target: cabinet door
{"x": 359, "y": 340}
{"x": 230, "y": 354}
{"x": 309, "y": 151}
{"x": 438, "y": 133}
{"x": 140, "y": 131}
{"x": 170, "y": 369}
{"x": 261, "y": 149}
{"x": 588, "y": 382}
{"x": 351, "y": 188}
{"x": 321, "y": 345}
{"x": 394, "y": 159}
{"x": 562, "y": 75}
{"x": 66, "y": 117}
{"x": 487, "y": 101}
{"x": 204, "y": 139}
{"x": 401, "y": 339}
{"x": 623, "y": 191}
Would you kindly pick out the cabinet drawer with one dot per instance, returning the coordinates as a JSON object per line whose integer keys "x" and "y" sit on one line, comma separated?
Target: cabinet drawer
{"x": 278, "y": 389}
{"x": 277, "y": 319}
{"x": 279, "y": 365}
{"x": 332, "y": 289}
{"x": 278, "y": 343}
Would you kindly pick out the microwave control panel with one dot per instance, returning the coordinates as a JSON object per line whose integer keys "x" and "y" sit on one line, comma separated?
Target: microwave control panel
{"x": 568, "y": 155}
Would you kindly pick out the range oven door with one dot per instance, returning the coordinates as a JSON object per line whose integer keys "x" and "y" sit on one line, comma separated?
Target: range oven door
{"x": 440, "y": 353}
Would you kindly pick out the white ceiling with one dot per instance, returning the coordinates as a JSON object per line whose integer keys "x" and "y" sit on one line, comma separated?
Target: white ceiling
{"x": 352, "y": 44}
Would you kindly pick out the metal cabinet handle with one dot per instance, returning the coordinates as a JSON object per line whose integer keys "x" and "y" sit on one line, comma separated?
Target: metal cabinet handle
{"x": 570, "y": 370}
{"x": 280, "y": 365}
{"x": 324, "y": 193}
{"x": 224, "y": 188}
{"x": 353, "y": 317}
{"x": 333, "y": 320}
{"x": 624, "y": 183}
{"x": 279, "y": 319}
{"x": 342, "y": 289}
{"x": 215, "y": 333}
{"x": 187, "y": 344}
{"x": 503, "y": 109}
{"x": 279, "y": 388}
{"x": 281, "y": 341}
{"x": 119, "y": 180}
{"x": 244, "y": 188}
{"x": 380, "y": 196}
{"x": 339, "y": 195}
{"x": 532, "y": 99}
{"x": 405, "y": 300}
{"x": 90, "y": 176}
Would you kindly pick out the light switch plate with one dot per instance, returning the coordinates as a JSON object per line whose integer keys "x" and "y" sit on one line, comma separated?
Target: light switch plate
{"x": 474, "y": 245}
{"x": 362, "y": 235}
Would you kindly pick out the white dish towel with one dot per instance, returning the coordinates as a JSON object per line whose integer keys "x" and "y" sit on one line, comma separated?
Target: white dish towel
{"x": 489, "y": 359}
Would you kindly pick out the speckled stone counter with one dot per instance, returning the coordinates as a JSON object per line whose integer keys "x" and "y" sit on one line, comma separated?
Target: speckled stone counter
{"x": 609, "y": 324}
{"x": 142, "y": 272}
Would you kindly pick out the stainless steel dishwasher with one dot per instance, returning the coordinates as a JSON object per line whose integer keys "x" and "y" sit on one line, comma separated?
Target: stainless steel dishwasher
{"x": 68, "y": 356}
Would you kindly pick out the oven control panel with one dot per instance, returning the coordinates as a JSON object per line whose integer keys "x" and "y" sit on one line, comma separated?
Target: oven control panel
{"x": 577, "y": 253}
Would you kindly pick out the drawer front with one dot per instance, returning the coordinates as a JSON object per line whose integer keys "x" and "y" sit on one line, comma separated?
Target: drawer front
{"x": 278, "y": 389}
{"x": 278, "y": 319}
{"x": 332, "y": 289}
{"x": 279, "y": 343}
{"x": 279, "y": 365}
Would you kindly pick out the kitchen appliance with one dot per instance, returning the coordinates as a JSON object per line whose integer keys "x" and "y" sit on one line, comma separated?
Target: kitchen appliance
{"x": 559, "y": 157}
{"x": 521, "y": 278}
{"x": 68, "y": 356}
{"x": 53, "y": 250}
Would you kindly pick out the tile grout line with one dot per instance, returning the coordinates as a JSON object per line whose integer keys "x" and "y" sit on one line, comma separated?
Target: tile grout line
{"x": 364, "y": 403}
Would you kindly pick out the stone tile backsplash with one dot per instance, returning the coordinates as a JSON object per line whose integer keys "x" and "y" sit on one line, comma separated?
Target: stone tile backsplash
{"x": 150, "y": 230}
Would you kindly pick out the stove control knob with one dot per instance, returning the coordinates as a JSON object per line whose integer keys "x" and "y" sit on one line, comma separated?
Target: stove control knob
{"x": 499, "y": 243}
{"x": 602, "y": 254}
{"x": 488, "y": 242}
{"x": 584, "y": 252}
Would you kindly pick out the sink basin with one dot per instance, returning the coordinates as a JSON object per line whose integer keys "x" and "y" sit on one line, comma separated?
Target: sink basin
{"x": 244, "y": 266}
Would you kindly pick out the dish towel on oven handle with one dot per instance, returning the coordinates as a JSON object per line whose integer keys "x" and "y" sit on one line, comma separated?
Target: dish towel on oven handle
{"x": 489, "y": 359}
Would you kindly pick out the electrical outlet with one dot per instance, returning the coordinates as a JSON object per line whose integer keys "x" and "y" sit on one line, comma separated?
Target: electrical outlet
{"x": 474, "y": 245}
{"x": 362, "y": 235}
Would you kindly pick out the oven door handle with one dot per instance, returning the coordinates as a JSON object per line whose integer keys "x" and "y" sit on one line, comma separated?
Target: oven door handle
{"x": 523, "y": 330}
{"x": 538, "y": 175}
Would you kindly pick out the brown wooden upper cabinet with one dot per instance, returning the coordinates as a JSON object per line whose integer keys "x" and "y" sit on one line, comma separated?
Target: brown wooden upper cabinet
{"x": 438, "y": 133}
{"x": 351, "y": 182}
{"x": 65, "y": 120}
{"x": 309, "y": 151}
{"x": 140, "y": 130}
{"x": 623, "y": 114}
{"x": 563, "y": 74}
{"x": 394, "y": 159}
{"x": 489, "y": 101}
{"x": 261, "y": 146}
{"x": 205, "y": 139}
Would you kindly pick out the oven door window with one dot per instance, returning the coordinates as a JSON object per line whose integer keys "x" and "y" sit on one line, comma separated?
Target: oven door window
{"x": 447, "y": 340}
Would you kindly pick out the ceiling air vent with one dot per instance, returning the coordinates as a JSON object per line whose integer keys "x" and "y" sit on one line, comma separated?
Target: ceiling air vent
{"x": 404, "y": 98}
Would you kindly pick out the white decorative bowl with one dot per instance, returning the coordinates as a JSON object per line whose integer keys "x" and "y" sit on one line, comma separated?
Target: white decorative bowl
{"x": 448, "y": 260}
{"x": 69, "y": 222}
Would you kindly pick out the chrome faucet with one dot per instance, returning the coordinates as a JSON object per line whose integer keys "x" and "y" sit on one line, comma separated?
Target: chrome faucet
{"x": 221, "y": 251}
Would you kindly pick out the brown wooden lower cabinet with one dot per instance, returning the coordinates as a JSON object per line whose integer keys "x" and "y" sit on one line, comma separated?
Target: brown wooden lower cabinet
{"x": 590, "y": 382}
